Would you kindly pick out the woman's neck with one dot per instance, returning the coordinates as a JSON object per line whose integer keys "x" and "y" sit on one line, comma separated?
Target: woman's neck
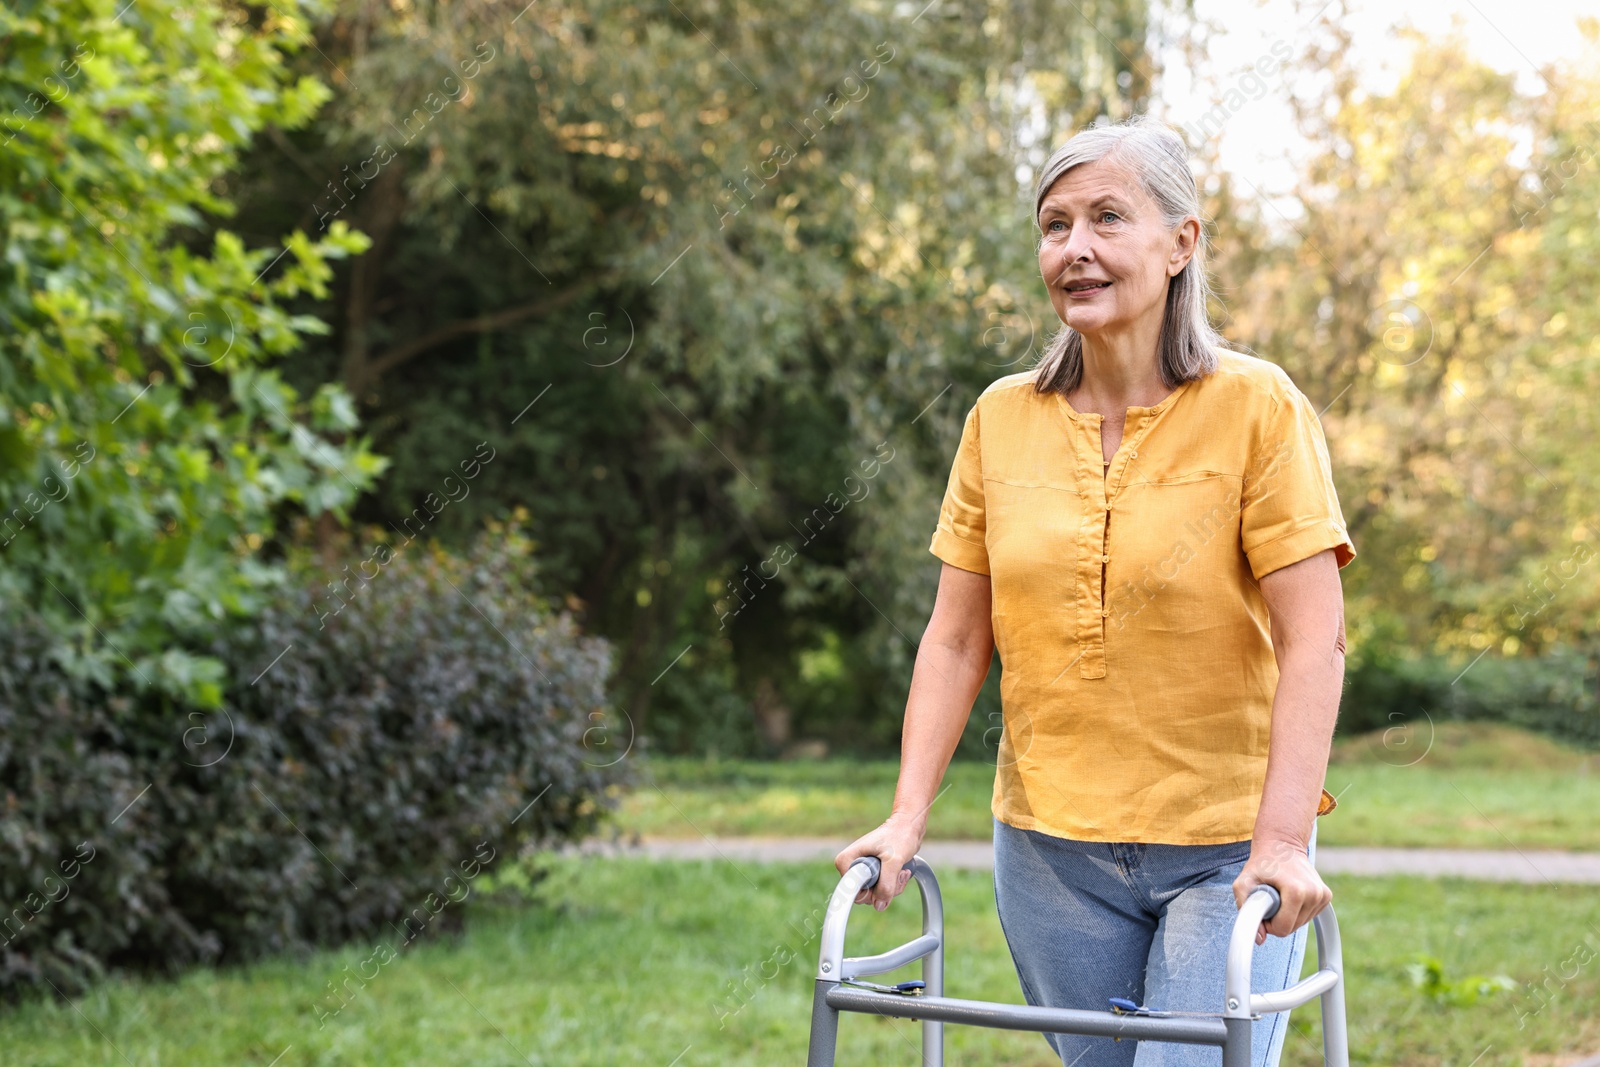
{"x": 1118, "y": 374}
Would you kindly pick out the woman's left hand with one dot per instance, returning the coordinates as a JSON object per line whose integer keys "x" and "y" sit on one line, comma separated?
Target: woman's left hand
{"x": 1285, "y": 867}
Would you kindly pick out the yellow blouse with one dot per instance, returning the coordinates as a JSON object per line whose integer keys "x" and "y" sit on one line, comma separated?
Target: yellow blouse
{"x": 1137, "y": 671}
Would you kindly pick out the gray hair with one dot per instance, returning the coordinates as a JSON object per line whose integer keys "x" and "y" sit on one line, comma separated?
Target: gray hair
{"x": 1159, "y": 160}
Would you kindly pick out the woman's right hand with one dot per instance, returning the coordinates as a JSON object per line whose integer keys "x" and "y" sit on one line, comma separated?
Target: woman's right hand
{"x": 894, "y": 843}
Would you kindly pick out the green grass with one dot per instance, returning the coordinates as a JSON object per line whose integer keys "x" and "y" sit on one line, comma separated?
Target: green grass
{"x": 1474, "y": 786}
{"x": 632, "y": 962}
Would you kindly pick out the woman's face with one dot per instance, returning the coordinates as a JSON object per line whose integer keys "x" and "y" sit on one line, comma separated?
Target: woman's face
{"x": 1105, "y": 254}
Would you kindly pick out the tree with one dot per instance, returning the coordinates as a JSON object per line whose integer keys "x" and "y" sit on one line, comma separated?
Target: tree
{"x": 734, "y": 257}
{"x": 148, "y": 446}
{"x": 1424, "y": 293}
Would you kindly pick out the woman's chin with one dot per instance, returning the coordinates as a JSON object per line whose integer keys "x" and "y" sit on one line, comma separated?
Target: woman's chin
{"x": 1086, "y": 321}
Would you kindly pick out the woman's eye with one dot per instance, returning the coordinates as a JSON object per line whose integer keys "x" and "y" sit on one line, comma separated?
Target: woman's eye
{"x": 1104, "y": 215}
{"x": 1053, "y": 224}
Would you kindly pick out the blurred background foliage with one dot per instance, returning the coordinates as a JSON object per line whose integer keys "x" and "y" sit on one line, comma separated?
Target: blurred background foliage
{"x": 700, "y": 293}
{"x": 730, "y": 252}
{"x": 725, "y": 275}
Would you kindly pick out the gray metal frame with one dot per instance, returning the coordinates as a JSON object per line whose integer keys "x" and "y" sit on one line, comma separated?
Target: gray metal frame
{"x": 1230, "y": 1030}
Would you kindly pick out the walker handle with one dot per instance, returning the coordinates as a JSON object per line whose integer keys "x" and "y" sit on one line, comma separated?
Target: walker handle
{"x": 874, "y": 868}
{"x": 1276, "y": 901}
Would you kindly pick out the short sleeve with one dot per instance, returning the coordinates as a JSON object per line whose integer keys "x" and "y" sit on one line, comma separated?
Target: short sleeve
{"x": 1290, "y": 509}
{"x": 959, "y": 538}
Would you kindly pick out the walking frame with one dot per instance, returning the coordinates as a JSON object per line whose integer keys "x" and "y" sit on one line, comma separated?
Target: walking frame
{"x": 1228, "y": 1029}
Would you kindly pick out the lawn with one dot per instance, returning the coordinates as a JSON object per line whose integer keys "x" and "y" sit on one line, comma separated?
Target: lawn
{"x": 1475, "y": 786}
{"x": 633, "y": 962}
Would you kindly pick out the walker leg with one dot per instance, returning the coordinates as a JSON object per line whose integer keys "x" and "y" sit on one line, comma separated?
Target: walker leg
{"x": 1335, "y": 1040}
{"x": 824, "y": 1027}
{"x": 932, "y": 1029}
{"x": 1330, "y": 955}
{"x": 1236, "y": 1053}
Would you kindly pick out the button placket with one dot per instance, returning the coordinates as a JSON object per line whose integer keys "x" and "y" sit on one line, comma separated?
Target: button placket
{"x": 1110, "y": 487}
{"x": 1091, "y": 583}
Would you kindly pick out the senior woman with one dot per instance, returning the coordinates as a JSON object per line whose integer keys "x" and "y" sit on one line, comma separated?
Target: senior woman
{"x": 1145, "y": 528}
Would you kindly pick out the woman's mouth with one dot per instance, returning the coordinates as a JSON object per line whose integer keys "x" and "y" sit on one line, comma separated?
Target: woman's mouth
{"x": 1083, "y": 290}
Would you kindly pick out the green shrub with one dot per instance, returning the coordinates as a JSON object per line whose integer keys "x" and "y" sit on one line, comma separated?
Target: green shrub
{"x": 439, "y": 718}
{"x": 1554, "y": 693}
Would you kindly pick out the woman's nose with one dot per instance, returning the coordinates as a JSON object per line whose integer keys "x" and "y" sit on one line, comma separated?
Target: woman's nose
{"x": 1073, "y": 251}
{"x": 1078, "y": 247}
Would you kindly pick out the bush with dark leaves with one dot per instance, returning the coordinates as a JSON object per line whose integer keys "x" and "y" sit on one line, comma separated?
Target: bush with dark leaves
{"x": 379, "y": 737}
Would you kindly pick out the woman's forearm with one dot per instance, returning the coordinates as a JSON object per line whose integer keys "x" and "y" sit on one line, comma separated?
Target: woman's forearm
{"x": 944, "y": 683}
{"x": 1307, "y": 609}
{"x": 952, "y": 662}
{"x": 1303, "y": 713}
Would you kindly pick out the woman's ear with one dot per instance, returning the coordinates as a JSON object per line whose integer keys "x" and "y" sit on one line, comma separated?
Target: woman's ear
{"x": 1185, "y": 240}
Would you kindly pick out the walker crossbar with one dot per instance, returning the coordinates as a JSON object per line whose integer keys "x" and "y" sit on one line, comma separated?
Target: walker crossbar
{"x": 1026, "y": 1017}
{"x": 1229, "y": 1029}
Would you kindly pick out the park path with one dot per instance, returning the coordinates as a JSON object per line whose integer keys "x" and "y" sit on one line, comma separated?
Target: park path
{"x": 1489, "y": 865}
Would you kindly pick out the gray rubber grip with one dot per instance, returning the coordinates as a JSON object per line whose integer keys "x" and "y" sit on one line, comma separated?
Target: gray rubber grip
{"x": 874, "y": 866}
{"x": 1277, "y": 901}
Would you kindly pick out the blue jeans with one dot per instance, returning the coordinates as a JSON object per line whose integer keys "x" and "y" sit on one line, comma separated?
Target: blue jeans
{"x": 1088, "y": 920}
